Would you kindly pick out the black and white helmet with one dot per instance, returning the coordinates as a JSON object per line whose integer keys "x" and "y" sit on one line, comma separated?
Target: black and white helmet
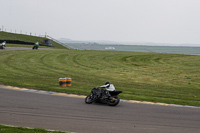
{"x": 107, "y": 82}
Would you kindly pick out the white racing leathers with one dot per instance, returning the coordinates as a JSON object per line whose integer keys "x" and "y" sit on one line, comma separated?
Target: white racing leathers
{"x": 109, "y": 88}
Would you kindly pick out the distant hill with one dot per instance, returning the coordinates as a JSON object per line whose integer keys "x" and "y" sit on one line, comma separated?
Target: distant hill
{"x": 133, "y": 46}
{"x": 67, "y": 40}
{"x": 105, "y": 42}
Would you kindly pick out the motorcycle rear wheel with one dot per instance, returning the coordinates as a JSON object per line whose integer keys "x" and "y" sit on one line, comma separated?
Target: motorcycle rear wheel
{"x": 113, "y": 101}
{"x": 89, "y": 99}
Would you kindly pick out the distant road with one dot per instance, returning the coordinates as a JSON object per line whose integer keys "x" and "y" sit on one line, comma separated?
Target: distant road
{"x": 37, "y": 110}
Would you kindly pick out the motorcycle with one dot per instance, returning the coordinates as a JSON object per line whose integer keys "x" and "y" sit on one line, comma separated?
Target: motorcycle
{"x": 103, "y": 96}
{"x": 35, "y": 47}
{"x": 3, "y": 45}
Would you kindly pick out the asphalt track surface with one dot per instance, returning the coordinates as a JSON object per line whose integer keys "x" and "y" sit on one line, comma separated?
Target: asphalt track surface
{"x": 57, "y": 112}
{"x": 27, "y": 108}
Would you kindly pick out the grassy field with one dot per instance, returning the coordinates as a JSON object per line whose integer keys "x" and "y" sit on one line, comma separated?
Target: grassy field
{"x": 166, "y": 78}
{"x": 9, "y": 129}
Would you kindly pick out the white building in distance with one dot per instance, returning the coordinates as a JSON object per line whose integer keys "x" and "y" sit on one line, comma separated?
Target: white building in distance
{"x": 110, "y": 48}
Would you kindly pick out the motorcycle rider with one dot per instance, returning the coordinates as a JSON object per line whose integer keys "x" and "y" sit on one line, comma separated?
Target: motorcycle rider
{"x": 104, "y": 94}
{"x": 3, "y": 45}
{"x": 108, "y": 87}
{"x": 36, "y": 45}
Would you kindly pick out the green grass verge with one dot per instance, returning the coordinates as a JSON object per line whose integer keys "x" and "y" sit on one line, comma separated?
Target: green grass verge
{"x": 19, "y": 37}
{"x": 9, "y": 129}
{"x": 156, "y": 77}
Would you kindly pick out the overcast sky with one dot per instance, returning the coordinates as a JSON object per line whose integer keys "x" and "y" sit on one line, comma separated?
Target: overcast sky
{"x": 159, "y": 21}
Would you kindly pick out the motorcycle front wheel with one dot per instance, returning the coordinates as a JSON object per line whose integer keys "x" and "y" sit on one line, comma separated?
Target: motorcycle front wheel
{"x": 89, "y": 99}
{"x": 113, "y": 101}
